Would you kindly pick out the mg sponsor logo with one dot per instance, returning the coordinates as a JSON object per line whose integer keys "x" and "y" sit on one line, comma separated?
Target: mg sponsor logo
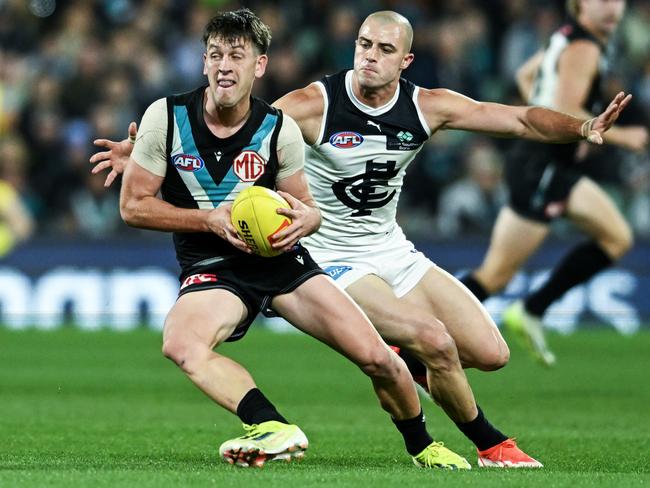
{"x": 188, "y": 162}
{"x": 249, "y": 166}
{"x": 346, "y": 140}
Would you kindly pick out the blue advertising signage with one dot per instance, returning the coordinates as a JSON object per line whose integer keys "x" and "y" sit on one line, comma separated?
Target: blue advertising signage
{"x": 128, "y": 284}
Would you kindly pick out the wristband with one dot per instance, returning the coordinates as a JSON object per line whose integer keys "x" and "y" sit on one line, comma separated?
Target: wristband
{"x": 586, "y": 127}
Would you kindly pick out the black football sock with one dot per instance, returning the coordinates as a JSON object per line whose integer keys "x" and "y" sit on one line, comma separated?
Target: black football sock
{"x": 255, "y": 408}
{"x": 415, "y": 433}
{"x": 475, "y": 287}
{"x": 481, "y": 432}
{"x": 582, "y": 262}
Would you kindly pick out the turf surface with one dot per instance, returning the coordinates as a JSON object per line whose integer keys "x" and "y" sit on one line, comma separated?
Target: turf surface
{"x": 106, "y": 409}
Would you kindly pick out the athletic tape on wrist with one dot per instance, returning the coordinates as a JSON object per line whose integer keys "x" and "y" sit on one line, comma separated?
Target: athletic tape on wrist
{"x": 586, "y": 127}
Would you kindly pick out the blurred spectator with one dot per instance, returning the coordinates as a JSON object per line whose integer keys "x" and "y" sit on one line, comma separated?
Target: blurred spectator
{"x": 16, "y": 223}
{"x": 85, "y": 68}
{"x": 471, "y": 205}
{"x": 96, "y": 210}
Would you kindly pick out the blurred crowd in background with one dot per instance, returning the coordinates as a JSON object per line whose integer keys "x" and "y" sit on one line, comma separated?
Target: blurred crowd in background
{"x": 72, "y": 71}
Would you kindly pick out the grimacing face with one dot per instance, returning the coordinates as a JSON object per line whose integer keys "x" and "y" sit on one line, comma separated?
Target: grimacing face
{"x": 231, "y": 70}
{"x": 604, "y": 15}
{"x": 380, "y": 53}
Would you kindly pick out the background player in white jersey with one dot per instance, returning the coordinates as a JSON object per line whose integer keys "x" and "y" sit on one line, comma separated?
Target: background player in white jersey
{"x": 364, "y": 127}
{"x": 546, "y": 182}
{"x": 223, "y": 286}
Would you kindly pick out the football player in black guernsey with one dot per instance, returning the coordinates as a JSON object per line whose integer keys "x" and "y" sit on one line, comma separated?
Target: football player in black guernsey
{"x": 546, "y": 182}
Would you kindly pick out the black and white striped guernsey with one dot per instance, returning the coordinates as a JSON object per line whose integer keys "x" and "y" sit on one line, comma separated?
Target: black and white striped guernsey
{"x": 356, "y": 168}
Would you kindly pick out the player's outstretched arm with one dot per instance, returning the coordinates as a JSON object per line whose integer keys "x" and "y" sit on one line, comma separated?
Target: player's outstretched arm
{"x": 116, "y": 157}
{"x": 445, "y": 109}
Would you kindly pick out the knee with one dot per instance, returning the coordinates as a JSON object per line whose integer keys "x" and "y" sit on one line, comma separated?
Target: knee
{"x": 622, "y": 243}
{"x": 494, "y": 359}
{"x": 380, "y": 362}
{"x": 438, "y": 350}
{"x": 183, "y": 351}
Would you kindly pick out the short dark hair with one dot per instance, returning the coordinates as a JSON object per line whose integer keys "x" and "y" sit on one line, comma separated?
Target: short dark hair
{"x": 239, "y": 24}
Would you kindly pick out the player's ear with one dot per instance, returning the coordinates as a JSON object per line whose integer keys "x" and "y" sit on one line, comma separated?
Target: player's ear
{"x": 407, "y": 60}
{"x": 205, "y": 68}
{"x": 260, "y": 65}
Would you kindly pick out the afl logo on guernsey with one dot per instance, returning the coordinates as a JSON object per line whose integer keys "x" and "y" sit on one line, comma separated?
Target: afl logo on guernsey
{"x": 346, "y": 139}
{"x": 188, "y": 162}
{"x": 249, "y": 165}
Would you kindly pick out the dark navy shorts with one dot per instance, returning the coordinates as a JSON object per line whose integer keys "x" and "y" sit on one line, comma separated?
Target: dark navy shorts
{"x": 255, "y": 280}
{"x": 538, "y": 183}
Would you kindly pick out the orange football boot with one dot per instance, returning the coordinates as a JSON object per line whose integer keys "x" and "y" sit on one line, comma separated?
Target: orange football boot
{"x": 506, "y": 455}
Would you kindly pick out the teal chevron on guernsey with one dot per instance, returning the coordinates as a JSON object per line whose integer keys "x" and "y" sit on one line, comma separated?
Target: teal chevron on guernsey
{"x": 205, "y": 191}
{"x": 261, "y": 144}
{"x": 199, "y": 183}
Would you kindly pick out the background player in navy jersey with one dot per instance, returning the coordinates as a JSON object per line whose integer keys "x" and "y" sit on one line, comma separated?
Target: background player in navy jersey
{"x": 185, "y": 149}
{"x": 546, "y": 182}
{"x": 363, "y": 128}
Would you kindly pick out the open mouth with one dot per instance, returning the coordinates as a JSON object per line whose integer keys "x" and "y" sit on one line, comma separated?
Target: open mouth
{"x": 225, "y": 83}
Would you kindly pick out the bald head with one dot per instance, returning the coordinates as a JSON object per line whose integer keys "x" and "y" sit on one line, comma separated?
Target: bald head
{"x": 386, "y": 17}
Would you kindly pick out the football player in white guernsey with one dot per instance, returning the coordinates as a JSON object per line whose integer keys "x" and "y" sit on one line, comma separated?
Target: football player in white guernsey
{"x": 565, "y": 76}
{"x": 222, "y": 294}
{"x": 413, "y": 304}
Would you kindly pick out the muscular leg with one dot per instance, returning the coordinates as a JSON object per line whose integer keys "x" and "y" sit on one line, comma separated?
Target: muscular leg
{"x": 422, "y": 334}
{"x": 592, "y": 210}
{"x": 192, "y": 329}
{"x": 514, "y": 239}
{"x": 478, "y": 340}
{"x": 319, "y": 308}
{"x": 412, "y": 323}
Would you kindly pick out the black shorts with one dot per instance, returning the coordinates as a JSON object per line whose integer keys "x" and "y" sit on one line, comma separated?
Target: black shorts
{"x": 255, "y": 280}
{"x": 538, "y": 182}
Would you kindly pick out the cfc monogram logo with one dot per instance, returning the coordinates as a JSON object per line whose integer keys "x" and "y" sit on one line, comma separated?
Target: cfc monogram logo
{"x": 364, "y": 192}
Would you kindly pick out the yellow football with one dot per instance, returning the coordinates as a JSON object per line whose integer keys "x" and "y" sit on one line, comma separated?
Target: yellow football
{"x": 254, "y": 216}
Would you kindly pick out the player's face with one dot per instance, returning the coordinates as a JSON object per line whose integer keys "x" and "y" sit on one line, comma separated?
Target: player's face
{"x": 604, "y": 15}
{"x": 380, "y": 54}
{"x": 231, "y": 69}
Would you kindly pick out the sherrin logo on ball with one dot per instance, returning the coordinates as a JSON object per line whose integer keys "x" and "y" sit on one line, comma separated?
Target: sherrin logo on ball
{"x": 255, "y": 219}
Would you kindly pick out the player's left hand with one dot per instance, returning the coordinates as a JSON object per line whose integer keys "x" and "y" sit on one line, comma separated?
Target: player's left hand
{"x": 593, "y": 129}
{"x": 116, "y": 157}
{"x": 304, "y": 221}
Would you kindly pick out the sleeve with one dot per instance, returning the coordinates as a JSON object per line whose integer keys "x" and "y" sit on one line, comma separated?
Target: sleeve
{"x": 149, "y": 150}
{"x": 291, "y": 148}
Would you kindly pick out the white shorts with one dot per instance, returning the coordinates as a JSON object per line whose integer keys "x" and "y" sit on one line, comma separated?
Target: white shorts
{"x": 394, "y": 259}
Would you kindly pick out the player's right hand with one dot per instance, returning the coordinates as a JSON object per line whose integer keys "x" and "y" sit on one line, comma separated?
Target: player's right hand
{"x": 219, "y": 222}
{"x": 116, "y": 157}
{"x": 635, "y": 137}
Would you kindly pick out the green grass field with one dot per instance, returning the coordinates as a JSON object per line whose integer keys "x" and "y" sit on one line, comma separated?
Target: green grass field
{"x": 106, "y": 409}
